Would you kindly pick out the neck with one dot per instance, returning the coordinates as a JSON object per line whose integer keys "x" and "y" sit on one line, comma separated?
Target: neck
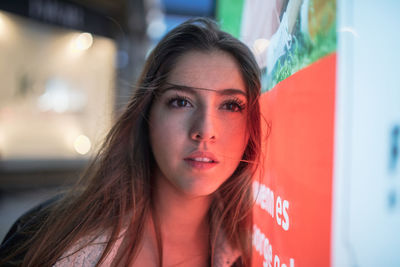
{"x": 183, "y": 225}
{"x": 180, "y": 215}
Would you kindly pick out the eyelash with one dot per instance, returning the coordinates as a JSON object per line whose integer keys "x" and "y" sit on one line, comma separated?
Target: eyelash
{"x": 239, "y": 104}
{"x": 176, "y": 98}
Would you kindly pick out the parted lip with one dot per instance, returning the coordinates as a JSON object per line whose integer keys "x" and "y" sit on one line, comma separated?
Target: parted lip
{"x": 202, "y": 155}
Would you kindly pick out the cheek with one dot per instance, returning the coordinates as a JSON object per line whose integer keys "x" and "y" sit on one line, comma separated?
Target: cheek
{"x": 234, "y": 137}
{"x": 165, "y": 134}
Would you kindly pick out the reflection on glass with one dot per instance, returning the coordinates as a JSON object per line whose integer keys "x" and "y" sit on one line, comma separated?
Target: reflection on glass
{"x": 260, "y": 45}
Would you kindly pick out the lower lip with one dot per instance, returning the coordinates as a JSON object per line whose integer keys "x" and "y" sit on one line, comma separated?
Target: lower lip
{"x": 200, "y": 164}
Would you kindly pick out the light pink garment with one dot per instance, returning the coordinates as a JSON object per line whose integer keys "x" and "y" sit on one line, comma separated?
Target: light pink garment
{"x": 224, "y": 256}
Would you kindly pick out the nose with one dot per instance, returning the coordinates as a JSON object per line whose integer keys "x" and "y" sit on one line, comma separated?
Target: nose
{"x": 203, "y": 127}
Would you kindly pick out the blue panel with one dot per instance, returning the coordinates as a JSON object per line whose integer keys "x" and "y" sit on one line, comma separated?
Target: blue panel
{"x": 172, "y": 21}
{"x": 192, "y": 7}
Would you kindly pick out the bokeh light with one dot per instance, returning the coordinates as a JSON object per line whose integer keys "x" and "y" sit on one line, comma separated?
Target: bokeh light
{"x": 83, "y": 41}
{"x": 82, "y": 144}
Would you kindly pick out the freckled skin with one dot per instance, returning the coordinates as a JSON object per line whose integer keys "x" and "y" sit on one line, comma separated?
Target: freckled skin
{"x": 202, "y": 122}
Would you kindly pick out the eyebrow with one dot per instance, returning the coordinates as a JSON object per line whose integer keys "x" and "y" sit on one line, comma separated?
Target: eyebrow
{"x": 192, "y": 90}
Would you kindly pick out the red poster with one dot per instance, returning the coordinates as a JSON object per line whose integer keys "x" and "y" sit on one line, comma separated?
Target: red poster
{"x": 292, "y": 223}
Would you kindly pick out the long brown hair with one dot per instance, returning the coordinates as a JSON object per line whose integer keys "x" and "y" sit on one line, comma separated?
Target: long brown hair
{"x": 116, "y": 191}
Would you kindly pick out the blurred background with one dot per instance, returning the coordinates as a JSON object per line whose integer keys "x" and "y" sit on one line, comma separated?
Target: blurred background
{"x": 330, "y": 97}
{"x": 67, "y": 69}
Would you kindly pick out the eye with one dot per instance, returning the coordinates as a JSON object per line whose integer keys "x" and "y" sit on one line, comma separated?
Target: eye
{"x": 179, "y": 102}
{"x": 235, "y": 105}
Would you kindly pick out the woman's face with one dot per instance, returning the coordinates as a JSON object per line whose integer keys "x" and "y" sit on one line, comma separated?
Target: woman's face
{"x": 198, "y": 123}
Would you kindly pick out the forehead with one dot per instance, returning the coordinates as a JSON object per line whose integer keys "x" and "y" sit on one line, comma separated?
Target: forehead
{"x": 214, "y": 70}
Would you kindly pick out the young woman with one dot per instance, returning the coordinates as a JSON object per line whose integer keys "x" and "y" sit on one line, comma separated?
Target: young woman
{"x": 172, "y": 184}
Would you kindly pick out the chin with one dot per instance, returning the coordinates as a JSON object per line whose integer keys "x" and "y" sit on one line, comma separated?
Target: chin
{"x": 199, "y": 192}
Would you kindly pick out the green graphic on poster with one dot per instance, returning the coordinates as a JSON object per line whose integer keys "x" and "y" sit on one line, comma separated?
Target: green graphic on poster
{"x": 285, "y": 36}
{"x": 307, "y": 32}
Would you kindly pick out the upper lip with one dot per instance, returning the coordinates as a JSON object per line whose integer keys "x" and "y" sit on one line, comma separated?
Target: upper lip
{"x": 201, "y": 154}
